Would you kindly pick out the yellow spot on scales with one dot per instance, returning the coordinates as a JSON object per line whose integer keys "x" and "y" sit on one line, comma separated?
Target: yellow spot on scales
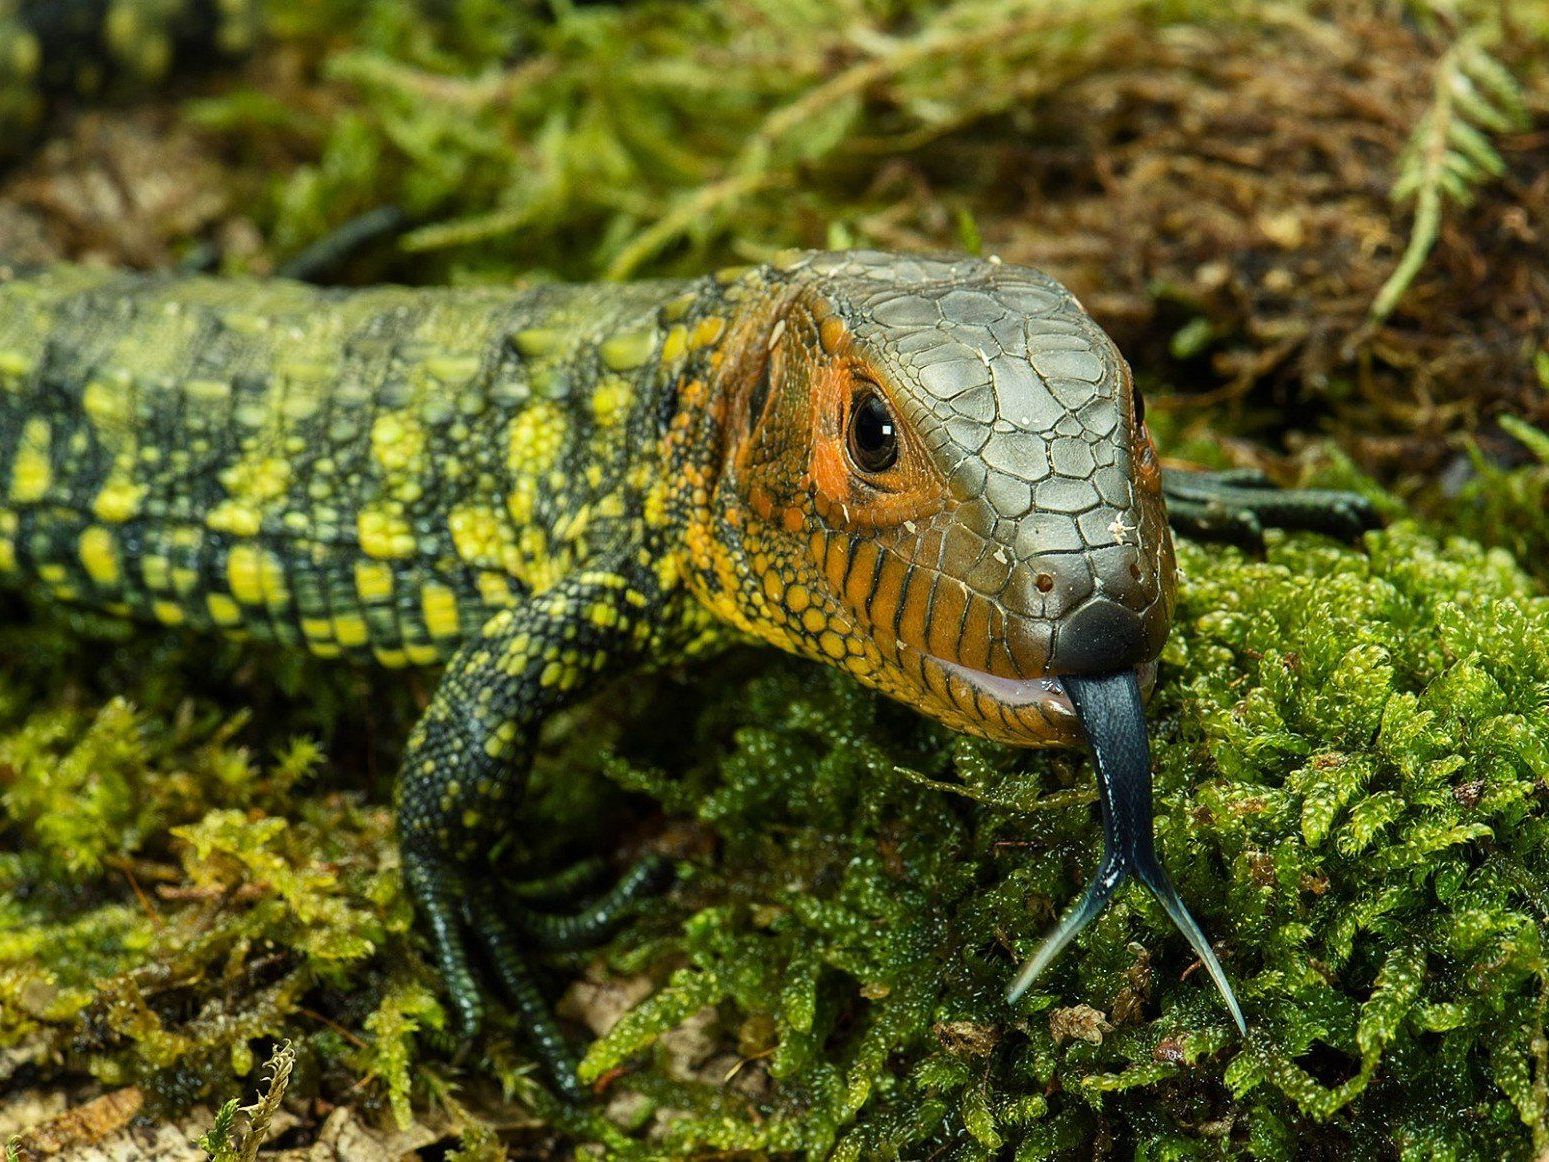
{"x": 573, "y": 528}
{"x": 167, "y": 612}
{"x": 118, "y": 501}
{"x": 271, "y": 575}
{"x": 675, "y": 344}
{"x": 8, "y": 526}
{"x": 383, "y": 533}
{"x": 373, "y": 582}
{"x": 611, "y": 400}
{"x": 452, "y": 369}
{"x": 495, "y": 589}
{"x": 223, "y": 610}
{"x": 257, "y": 480}
{"x": 500, "y": 740}
{"x": 107, "y": 401}
{"x": 655, "y": 508}
{"x": 397, "y": 442}
{"x": 99, "y": 556}
{"x": 350, "y": 630}
{"x": 539, "y": 568}
{"x": 535, "y": 439}
{"x": 244, "y": 573}
{"x": 521, "y": 500}
{"x": 678, "y": 307}
{"x": 707, "y": 332}
{"x": 237, "y": 517}
{"x": 157, "y": 571}
{"x": 31, "y": 473}
{"x": 668, "y": 570}
{"x": 627, "y": 352}
{"x": 535, "y": 343}
{"x": 318, "y": 632}
{"x": 419, "y": 655}
{"x": 438, "y": 605}
{"x": 317, "y": 629}
{"x": 14, "y": 368}
{"x": 478, "y": 535}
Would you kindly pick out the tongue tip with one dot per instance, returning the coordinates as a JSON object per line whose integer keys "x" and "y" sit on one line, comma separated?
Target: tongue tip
{"x": 1161, "y": 887}
{"x": 1092, "y": 904}
{"x": 1109, "y": 707}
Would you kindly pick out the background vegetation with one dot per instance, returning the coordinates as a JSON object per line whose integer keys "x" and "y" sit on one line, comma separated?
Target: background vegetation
{"x": 1317, "y": 229}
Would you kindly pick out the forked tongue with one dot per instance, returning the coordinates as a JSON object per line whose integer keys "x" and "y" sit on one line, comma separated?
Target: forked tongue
{"x": 1110, "y": 711}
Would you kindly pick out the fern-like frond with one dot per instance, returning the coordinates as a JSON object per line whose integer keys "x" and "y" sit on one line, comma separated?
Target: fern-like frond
{"x": 1450, "y": 155}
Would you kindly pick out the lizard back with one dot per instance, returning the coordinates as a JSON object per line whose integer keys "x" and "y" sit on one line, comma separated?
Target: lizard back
{"x": 363, "y": 472}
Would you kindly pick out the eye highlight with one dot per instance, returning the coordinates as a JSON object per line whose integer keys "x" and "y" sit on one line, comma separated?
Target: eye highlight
{"x": 873, "y": 437}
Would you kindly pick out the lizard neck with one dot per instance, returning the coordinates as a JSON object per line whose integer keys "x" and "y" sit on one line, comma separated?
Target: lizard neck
{"x": 719, "y": 403}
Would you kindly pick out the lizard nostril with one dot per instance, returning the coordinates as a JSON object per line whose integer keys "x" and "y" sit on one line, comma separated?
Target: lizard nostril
{"x": 1134, "y": 570}
{"x": 1044, "y": 581}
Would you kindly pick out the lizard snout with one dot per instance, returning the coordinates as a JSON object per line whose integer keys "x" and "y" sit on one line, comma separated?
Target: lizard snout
{"x": 1102, "y": 637}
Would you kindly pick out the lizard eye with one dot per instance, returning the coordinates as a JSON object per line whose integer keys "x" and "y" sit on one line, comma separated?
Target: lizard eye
{"x": 873, "y": 434}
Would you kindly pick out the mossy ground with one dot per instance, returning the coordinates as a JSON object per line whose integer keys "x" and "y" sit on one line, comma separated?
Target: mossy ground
{"x": 1352, "y": 743}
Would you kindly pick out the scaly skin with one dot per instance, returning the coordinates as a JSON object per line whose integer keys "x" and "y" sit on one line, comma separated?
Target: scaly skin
{"x": 540, "y": 487}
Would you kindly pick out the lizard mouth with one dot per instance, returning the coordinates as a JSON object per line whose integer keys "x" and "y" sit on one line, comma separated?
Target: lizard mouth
{"x": 1047, "y": 693}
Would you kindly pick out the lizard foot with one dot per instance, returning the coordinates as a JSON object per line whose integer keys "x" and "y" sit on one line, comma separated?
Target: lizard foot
{"x": 1238, "y": 505}
{"x": 460, "y": 918}
{"x": 601, "y": 918}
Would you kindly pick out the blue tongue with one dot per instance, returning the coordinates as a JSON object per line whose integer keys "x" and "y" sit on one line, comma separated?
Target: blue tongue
{"x": 1110, "y": 710}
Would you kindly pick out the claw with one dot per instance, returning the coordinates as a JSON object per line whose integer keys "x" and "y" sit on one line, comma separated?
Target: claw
{"x": 1111, "y": 712}
{"x": 478, "y": 923}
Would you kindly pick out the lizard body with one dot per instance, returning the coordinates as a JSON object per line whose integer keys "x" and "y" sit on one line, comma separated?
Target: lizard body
{"x": 368, "y": 473}
{"x": 931, "y": 473}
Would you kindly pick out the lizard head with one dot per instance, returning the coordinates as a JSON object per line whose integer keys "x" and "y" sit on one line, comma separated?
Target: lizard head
{"x": 937, "y": 476}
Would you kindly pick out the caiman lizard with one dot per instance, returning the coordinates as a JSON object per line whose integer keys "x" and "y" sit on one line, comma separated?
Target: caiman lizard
{"x": 933, "y": 473}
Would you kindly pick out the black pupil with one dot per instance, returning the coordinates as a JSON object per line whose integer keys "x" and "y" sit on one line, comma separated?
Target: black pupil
{"x": 873, "y": 436}
{"x": 1140, "y": 408}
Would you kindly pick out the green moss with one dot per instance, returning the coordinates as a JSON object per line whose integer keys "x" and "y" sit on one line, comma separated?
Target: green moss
{"x": 1351, "y": 755}
{"x": 1352, "y": 750}
{"x": 661, "y": 136}
{"x": 1507, "y": 506}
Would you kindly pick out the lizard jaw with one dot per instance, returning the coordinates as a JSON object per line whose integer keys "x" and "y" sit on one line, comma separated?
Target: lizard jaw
{"x": 1046, "y": 692}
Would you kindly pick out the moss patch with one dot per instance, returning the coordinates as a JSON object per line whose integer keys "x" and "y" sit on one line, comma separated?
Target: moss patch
{"x": 1352, "y": 751}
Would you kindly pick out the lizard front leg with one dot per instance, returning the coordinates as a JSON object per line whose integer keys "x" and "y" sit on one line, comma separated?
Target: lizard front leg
{"x": 467, "y": 761}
